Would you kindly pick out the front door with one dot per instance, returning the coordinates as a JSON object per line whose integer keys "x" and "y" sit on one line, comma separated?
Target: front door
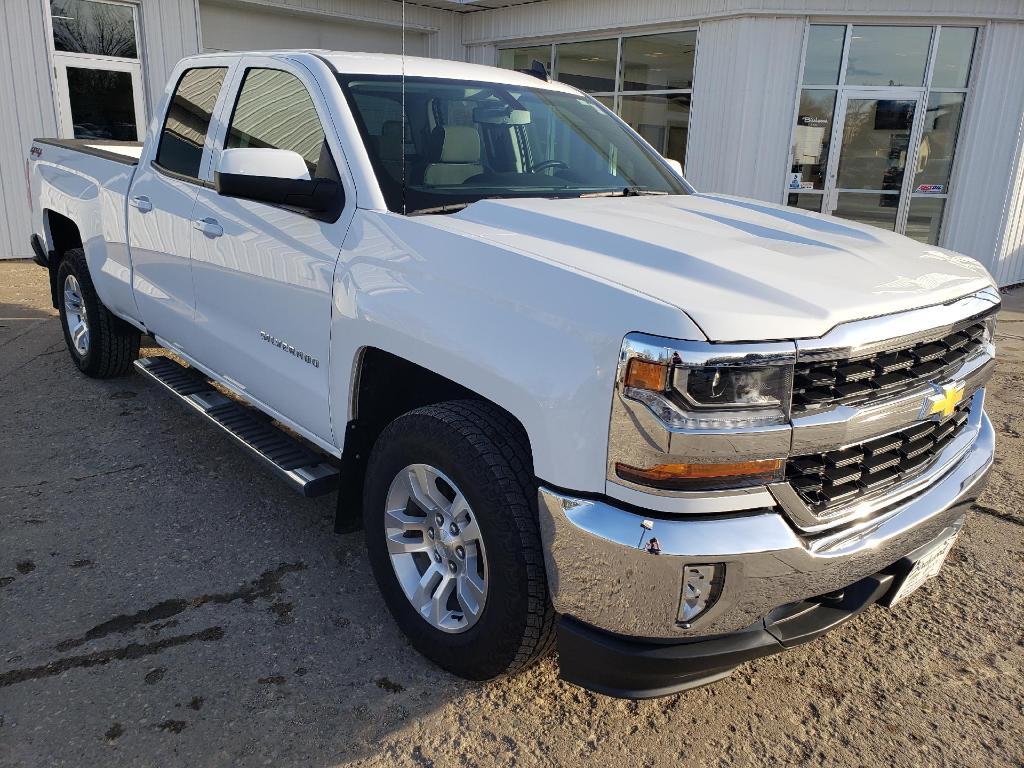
{"x": 264, "y": 274}
{"x": 868, "y": 179}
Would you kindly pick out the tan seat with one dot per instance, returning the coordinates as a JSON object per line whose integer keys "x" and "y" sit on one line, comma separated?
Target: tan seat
{"x": 459, "y": 158}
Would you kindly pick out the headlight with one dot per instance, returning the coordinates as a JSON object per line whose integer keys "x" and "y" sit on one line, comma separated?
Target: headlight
{"x": 726, "y": 393}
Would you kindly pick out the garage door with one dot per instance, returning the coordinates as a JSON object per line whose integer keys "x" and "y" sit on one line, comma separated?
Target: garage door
{"x": 228, "y": 27}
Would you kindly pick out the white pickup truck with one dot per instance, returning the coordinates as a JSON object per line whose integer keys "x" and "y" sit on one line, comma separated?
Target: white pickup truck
{"x": 565, "y": 395}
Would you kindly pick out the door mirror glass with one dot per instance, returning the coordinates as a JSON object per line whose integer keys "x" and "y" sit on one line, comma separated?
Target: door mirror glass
{"x": 276, "y": 176}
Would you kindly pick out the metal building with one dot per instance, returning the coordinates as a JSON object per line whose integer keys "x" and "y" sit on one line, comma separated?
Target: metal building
{"x": 905, "y": 114}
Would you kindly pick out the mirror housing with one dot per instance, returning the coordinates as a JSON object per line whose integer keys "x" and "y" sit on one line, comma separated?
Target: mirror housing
{"x": 501, "y": 115}
{"x": 676, "y": 165}
{"x": 276, "y": 176}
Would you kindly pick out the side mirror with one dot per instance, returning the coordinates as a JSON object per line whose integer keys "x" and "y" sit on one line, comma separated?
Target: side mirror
{"x": 675, "y": 164}
{"x": 277, "y": 176}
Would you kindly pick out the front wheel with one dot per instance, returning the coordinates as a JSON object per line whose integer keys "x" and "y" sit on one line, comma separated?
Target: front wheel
{"x": 101, "y": 344}
{"x": 451, "y": 530}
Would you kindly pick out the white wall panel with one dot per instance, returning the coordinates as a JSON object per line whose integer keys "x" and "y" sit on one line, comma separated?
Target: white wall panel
{"x": 553, "y": 18}
{"x": 986, "y": 209}
{"x": 743, "y": 100}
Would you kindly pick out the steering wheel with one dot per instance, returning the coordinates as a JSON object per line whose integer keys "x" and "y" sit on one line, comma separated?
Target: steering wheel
{"x": 543, "y": 166}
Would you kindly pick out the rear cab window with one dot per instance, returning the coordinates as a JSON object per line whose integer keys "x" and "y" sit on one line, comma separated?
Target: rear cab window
{"x": 183, "y": 136}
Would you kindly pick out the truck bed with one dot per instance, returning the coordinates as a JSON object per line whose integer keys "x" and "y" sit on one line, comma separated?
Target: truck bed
{"x": 126, "y": 152}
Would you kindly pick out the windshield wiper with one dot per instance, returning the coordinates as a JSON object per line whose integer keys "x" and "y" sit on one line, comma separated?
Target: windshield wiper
{"x": 446, "y": 208}
{"x": 625, "y": 192}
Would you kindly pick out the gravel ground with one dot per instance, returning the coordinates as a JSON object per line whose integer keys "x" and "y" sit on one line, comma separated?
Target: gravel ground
{"x": 164, "y": 601}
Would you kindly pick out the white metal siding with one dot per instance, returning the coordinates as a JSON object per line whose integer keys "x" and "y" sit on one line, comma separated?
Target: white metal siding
{"x": 986, "y": 209}
{"x": 170, "y": 32}
{"x": 444, "y": 28}
{"x": 743, "y": 98}
{"x": 26, "y": 110}
{"x": 570, "y": 17}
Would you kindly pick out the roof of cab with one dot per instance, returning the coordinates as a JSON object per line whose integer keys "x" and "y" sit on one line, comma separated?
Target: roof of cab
{"x": 355, "y": 63}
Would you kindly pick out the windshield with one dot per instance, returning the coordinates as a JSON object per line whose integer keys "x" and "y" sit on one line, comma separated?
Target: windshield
{"x": 465, "y": 141}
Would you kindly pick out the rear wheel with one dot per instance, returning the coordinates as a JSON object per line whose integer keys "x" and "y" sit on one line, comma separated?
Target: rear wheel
{"x": 101, "y": 344}
{"x": 451, "y": 530}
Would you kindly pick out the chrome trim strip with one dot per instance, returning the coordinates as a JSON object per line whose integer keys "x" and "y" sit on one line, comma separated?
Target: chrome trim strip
{"x": 903, "y": 329}
{"x": 671, "y": 351}
{"x": 690, "y": 502}
{"x": 597, "y": 573}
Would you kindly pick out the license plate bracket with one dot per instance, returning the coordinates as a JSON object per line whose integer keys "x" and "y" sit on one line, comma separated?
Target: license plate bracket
{"x": 923, "y": 568}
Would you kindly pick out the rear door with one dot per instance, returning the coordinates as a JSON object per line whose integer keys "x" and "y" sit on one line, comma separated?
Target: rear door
{"x": 264, "y": 273}
{"x": 161, "y": 200}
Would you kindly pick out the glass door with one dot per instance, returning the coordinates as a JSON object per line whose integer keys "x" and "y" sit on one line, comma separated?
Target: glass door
{"x": 877, "y": 136}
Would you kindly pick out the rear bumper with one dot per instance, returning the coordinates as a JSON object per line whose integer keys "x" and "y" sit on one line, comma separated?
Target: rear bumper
{"x": 621, "y": 605}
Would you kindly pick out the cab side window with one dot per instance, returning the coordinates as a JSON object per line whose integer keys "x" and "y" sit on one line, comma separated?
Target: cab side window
{"x": 274, "y": 110}
{"x": 180, "y": 149}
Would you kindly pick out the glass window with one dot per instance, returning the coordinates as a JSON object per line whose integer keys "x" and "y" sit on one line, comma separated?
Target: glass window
{"x": 662, "y": 120}
{"x": 812, "y": 135}
{"x": 516, "y": 142}
{"x": 102, "y": 104}
{"x": 876, "y": 210}
{"x": 102, "y": 29}
{"x": 891, "y": 56}
{"x": 925, "y": 219}
{"x": 876, "y": 140}
{"x": 523, "y": 58}
{"x": 824, "y": 54}
{"x": 274, "y": 110}
{"x": 953, "y": 59}
{"x": 188, "y": 120}
{"x": 938, "y": 142}
{"x": 805, "y": 202}
{"x": 658, "y": 62}
{"x": 589, "y": 66}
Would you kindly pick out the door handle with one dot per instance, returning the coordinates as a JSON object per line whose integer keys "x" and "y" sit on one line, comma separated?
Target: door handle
{"x": 142, "y": 203}
{"x": 209, "y": 227}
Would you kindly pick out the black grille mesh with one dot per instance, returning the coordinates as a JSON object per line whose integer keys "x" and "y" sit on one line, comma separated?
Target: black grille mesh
{"x": 824, "y": 480}
{"x": 854, "y": 380}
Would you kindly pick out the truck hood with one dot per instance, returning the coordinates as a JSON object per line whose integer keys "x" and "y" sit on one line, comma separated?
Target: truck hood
{"x": 741, "y": 269}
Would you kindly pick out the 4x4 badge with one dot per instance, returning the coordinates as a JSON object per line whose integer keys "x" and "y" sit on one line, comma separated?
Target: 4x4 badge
{"x": 943, "y": 401}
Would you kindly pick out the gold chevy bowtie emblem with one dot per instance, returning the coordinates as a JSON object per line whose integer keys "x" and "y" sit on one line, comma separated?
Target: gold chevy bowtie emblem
{"x": 944, "y": 401}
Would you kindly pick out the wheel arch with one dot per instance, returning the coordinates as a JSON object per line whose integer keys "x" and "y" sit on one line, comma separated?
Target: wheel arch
{"x": 384, "y": 386}
{"x": 62, "y": 234}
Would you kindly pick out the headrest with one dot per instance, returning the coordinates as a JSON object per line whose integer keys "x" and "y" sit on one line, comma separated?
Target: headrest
{"x": 459, "y": 144}
{"x": 391, "y": 140}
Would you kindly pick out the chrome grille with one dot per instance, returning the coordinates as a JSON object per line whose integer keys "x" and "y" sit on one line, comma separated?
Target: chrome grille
{"x": 860, "y": 379}
{"x": 826, "y": 480}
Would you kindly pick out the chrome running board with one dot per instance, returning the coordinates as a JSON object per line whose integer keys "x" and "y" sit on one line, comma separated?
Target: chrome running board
{"x": 304, "y": 469}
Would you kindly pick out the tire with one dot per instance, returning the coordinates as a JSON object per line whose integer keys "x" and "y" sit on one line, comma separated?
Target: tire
{"x": 483, "y": 453}
{"x": 110, "y": 344}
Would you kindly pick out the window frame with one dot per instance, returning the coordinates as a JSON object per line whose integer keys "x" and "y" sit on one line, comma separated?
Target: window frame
{"x": 922, "y": 92}
{"x": 619, "y": 92}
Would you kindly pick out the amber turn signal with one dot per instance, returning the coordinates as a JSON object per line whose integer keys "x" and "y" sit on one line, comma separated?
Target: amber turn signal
{"x": 682, "y": 477}
{"x": 642, "y": 374}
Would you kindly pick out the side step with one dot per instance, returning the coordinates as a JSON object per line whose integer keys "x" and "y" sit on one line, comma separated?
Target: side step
{"x": 305, "y": 470}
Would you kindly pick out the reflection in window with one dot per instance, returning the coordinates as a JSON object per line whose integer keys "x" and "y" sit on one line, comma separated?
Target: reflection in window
{"x": 805, "y": 202}
{"x": 876, "y": 137}
{"x": 891, "y": 56}
{"x": 824, "y": 54}
{"x": 589, "y": 66}
{"x": 101, "y": 29}
{"x": 812, "y": 136}
{"x": 188, "y": 119}
{"x": 274, "y": 110}
{"x": 658, "y": 62}
{"x": 925, "y": 219}
{"x": 953, "y": 59}
{"x": 523, "y": 58}
{"x": 662, "y": 120}
{"x": 876, "y": 210}
{"x": 102, "y": 104}
{"x": 935, "y": 156}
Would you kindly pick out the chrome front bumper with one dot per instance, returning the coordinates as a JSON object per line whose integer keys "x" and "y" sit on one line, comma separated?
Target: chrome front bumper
{"x": 598, "y": 575}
